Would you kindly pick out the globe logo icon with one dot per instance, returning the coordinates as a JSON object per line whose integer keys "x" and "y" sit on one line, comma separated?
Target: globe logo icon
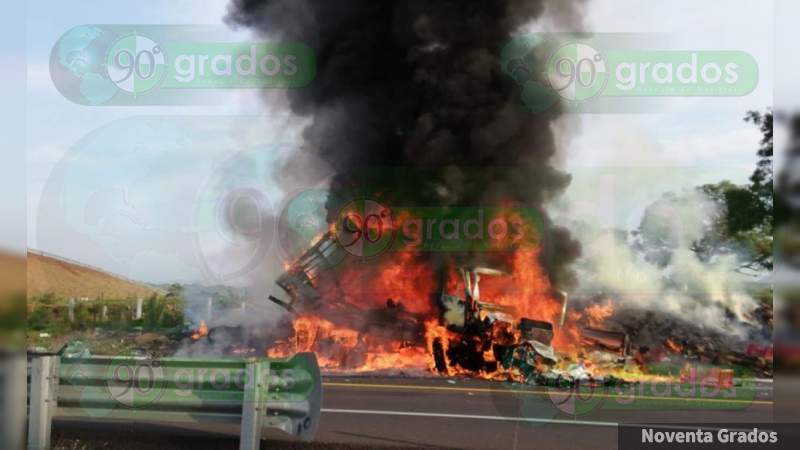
{"x": 302, "y": 220}
{"x": 523, "y": 60}
{"x": 94, "y": 65}
{"x": 78, "y": 65}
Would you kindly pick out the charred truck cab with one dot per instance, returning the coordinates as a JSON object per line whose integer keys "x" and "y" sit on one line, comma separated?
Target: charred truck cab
{"x": 485, "y": 337}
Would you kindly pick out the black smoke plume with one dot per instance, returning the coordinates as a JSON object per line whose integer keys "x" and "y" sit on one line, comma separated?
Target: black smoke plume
{"x": 410, "y": 95}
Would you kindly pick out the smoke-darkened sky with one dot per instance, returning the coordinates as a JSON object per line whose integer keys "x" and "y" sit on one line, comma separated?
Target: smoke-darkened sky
{"x": 670, "y": 139}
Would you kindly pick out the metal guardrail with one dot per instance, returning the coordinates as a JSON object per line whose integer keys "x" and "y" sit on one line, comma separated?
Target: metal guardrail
{"x": 284, "y": 394}
{"x": 12, "y": 397}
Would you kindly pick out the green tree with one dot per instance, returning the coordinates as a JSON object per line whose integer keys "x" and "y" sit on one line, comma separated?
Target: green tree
{"x": 83, "y": 318}
{"x": 166, "y": 311}
{"x": 762, "y": 178}
{"x": 748, "y": 210}
{"x": 153, "y": 312}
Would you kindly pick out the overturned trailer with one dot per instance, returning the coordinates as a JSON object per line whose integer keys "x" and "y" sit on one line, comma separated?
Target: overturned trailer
{"x": 302, "y": 282}
{"x": 301, "y": 279}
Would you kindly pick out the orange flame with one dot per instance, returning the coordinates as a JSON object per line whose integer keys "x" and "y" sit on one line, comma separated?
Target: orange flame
{"x": 409, "y": 278}
{"x": 200, "y": 332}
{"x": 346, "y": 349}
{"x": 596, "y": 314}
{"x": 673, "y": 346}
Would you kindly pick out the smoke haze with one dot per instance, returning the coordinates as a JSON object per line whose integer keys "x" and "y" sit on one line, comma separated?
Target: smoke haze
{"x": 658, "y": 271}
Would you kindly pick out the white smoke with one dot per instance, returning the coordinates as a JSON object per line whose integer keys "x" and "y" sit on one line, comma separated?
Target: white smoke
{"x": 657, "y": 270}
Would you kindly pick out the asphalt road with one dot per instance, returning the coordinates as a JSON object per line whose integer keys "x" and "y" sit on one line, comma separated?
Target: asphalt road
{"x": 476, "y": 414}
{"x": 374, "y": 412}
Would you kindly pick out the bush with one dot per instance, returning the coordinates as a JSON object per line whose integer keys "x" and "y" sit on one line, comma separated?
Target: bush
{"x": 50, "y": 313}
{"x": 40, "y": 319}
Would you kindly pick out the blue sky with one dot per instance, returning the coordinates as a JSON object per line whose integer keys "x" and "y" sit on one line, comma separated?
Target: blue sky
{"x": 123, "y": 187}
{"x": 12, "y": 124}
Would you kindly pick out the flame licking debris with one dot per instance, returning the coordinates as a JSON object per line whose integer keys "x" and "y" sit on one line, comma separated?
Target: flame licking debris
{"x": 397, "y": 313}
{"x": 482, "y": 322}
{"x": 200, "y": 332}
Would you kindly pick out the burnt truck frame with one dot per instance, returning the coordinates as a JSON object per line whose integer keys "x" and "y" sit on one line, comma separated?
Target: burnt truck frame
{"x": 482, "y": 326}
{"x": 479, "y": 324}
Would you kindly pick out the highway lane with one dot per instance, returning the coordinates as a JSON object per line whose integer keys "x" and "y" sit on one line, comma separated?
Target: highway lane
{"x": 477, "y": 414}
{"x": 372, "y": 412}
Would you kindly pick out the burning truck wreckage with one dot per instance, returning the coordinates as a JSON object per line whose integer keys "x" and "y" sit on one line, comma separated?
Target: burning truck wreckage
{"x": 503, "y": 324}
{"x": 432, "y": 118}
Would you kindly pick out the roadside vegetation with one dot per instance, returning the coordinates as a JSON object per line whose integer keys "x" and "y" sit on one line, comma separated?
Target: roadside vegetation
{"x": 105, "y": 325}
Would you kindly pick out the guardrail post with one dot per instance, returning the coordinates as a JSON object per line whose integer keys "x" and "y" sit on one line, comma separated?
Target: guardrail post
{"x": 44, "y": 396}
{"x": 254, "y": 404}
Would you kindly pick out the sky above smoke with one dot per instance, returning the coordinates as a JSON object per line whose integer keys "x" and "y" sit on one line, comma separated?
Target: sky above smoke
{"x": 689, "y": 142}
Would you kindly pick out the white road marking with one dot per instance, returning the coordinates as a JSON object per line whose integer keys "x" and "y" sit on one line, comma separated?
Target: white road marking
{"x": 470, "y": 416}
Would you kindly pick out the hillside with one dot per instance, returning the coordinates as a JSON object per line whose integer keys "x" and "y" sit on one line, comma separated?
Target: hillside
{"x": 48, "y": 274}
{"x": 12, "y": 274}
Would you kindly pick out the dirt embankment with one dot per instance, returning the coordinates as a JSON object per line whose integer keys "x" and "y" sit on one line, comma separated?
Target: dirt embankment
{"x": 47, "y": 274}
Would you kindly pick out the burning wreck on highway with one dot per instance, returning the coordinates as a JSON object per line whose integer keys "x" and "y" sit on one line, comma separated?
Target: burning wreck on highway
{"x": 403, "y": 313}
{"x": 462, "y": 332}
{"x": 435, "y": 125}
